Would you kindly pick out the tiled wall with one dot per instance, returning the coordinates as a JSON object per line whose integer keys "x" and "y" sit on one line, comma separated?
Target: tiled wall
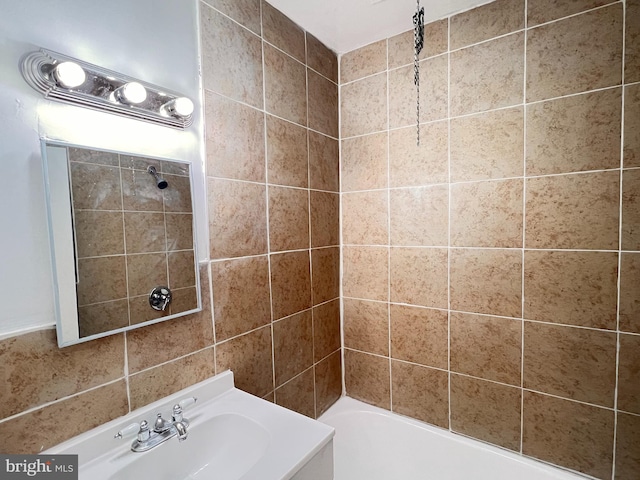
{"x": 131, "y": 237}
{"x": 481, "y": 269}
{"x": 272, "y": 166}
{"x": 271, "y": 114}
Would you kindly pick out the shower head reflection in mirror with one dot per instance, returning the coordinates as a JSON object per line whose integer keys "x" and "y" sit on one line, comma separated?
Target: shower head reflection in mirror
{"x": 119, "y": 225}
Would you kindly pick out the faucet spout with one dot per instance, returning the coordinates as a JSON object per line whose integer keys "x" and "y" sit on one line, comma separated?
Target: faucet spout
{"x": 182, "y": 431}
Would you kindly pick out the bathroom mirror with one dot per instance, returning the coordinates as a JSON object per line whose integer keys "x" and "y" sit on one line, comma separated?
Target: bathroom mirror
{"x": 122, "y": 240}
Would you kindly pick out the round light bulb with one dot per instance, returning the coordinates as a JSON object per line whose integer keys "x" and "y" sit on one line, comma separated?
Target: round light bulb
{"x": 69, "y": 75}
{"x": 133, "y": 92}
{"x": 182, "y": 106}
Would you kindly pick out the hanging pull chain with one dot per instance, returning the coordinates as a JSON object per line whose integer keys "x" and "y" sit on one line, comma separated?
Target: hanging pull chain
{"x": 418, "y": 43}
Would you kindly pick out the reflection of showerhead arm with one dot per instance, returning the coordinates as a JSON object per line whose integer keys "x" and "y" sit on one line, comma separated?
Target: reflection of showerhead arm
{"x": 160, "y": 182}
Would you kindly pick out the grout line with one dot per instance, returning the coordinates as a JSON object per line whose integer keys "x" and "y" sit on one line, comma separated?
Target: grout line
{"x": 388, "y": 199}
{"x": 449, "y": 186}
{"x": 524, "y": 220}
{"x": 620, "y": 231}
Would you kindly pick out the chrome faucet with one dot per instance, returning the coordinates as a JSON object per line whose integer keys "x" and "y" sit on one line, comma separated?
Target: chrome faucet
{"x": 162, "y": 431}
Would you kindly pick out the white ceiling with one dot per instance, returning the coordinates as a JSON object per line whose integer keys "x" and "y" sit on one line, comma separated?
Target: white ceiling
{"x": 344, "y": 25}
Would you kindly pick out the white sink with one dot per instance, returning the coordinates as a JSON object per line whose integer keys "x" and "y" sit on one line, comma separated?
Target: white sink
{"x": 232, "y": 436}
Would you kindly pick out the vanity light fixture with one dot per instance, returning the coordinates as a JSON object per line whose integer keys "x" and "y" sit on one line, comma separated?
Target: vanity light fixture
{"x": 66, "y": 79}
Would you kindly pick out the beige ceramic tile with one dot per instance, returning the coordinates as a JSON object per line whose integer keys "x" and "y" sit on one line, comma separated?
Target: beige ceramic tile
{"x": 323, "y": 104}
{"x": 575, "y": 133}
{"x": 179, "y": 231}
{"x": 328, "y": 376}
{"x": 145, "y": 272}
{"x": 177, "y": 197}
{"x": 631, "y": 210}
{"x": 292, "y": 346}
{"x": 184, "y": 299}
{"x": 433, "y": 93}
{"x": 632, "y": 125}
{"x": 627, "y": 441}
{"x": 235, "y": 139}
{"x": 628, "y": 385}
{"x": 287, "y": 155}
{"x": 542, "y": 11}
{"x": 436, "y": 40}
{"x": 290, "y": 283}
{"x": 132, "y": 162}
{"x": 326, "y": 329}
{"x": 419, "y": 335}
{"x": 487, "y": 214}
{"x": 175, "y": 168}
{"x": 486, "y": 347}
{"x": 298, "y": 394}
{"x": 487, "y": 21}
{"x": 486, "y": 281}
{"x": 55, "y": 423}
{"x": 144, "y": 232}
{"x": 140, "y": 311}
{"x": 363, "y": 62}
{"x": 241, "y": 295}
{"x": 101, "y": 279}
{"x": 632, "y": 42}
{"x": 35, "y": 371}
{"x": 93, "y": 156}
{"x": 366, "y": 326}
{"x": 237, "y": 219}
{"x": 421, "y": 392}
{"x": 325, "y": 278}
{"x": 282, "y": 32}
{"x": 488, "y": 146}
{"x": 485, "y": 410}
{"x": 288, "y": 218}
{"x": 419, "y": 276}
{"x": 249, "y": 357}
{"x": 412, "y": 165}
{"x": 182, "y": 373}
{"x": 367, "y": 378}
{"x": 573, "y": 363}
{"x": 574, "y": 288}
{"x": 419, "y": 216}
{"x": 140, "y": 193}
{"x": 325, "y": 219}
{"x": 245, "y": 12}
{"x": 575, "y": 55}
{"x": 573, "y": 211}
{"x": 365, "y": 272}
{"x": 285, "y": 86}
{"x": 102, "y": 317}
{"x": 198, "y": 334}
{"x": 181, "y": 269}
{"x": 569, "y": 434}
{"x": 365, "y": 218}
{"x": 364, "y": 162}
{"x": 321, "y": 58}
{"x": 231, "y": 56}
{"x": 487, "y": 76}
{"x": 363, "y": 106}
{"x": 324, "y": 162}
{"x": 630, "y": 293}
{"x": 101, "y": 233}
{"x": 96, "y": 187}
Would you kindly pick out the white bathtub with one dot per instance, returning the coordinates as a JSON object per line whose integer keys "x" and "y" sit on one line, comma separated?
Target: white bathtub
{"x": 373, "y": 444}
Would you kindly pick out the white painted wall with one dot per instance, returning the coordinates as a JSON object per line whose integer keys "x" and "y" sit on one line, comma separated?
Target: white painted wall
{"x": 146, "y": 39}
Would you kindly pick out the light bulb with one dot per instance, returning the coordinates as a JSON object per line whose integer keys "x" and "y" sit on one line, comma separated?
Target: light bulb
{"x": 69, "y": 75}
{"x": 179, "y": 107}
{"x": 131, "y": 93}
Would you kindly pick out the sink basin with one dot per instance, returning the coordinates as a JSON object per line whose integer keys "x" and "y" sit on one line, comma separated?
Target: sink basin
{"x": 225, "y": 446}
{"x": 232, "y": 436}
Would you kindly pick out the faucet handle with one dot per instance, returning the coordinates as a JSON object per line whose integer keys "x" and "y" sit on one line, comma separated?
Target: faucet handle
{"x": 180, "y": 406}
{"x": 142, "y": 428}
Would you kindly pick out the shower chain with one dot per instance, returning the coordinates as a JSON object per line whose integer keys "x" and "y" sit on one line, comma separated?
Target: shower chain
{"x": 418, "y": 43}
